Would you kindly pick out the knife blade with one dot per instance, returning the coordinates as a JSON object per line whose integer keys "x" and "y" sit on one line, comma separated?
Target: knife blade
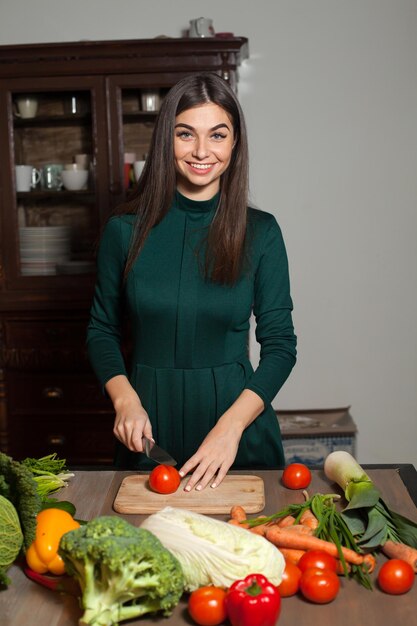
{"x": 157, "y": 454}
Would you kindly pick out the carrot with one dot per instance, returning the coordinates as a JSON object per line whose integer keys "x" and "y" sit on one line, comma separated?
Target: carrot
{"x": 340, "y": 569}
{"x": 288, "y": 520}
{"x": 283, "y": 538}
{"x": 396, "y": 550}
{"x": 299, "y": 528}
{"x": 261, "y": 528}
{"x": 292, "y": 555}
{"x": 238, "y": 513}
{"x": 308, "y": 519}
{"x": 369, "y": 562}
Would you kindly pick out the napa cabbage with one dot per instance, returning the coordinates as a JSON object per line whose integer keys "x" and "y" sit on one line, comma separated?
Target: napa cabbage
{"x": 213, "y": 552}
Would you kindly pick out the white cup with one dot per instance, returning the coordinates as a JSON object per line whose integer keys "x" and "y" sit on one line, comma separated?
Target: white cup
{"x": 150, "y": 100}
{"x": 138, "y": 169}
{"x": 26, "y": 178}
{"x": 27, "y": 106}
{"x": 83, "y": 161}
{"x": 201, "y": 27}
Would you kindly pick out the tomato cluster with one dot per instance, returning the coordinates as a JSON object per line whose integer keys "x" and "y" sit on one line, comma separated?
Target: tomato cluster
{"x": 314, "y": 575}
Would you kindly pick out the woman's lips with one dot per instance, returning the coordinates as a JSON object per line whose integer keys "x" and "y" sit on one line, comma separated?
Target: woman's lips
{"x": 201, "y": 168}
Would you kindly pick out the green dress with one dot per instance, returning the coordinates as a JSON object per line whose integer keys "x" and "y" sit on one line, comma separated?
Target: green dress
{"x": 190, "y": 336}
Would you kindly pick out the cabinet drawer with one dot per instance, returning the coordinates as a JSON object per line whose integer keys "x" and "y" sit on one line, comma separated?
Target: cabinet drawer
{"x": 42, "y": 392}
{"x": 45, "y": 333}
{"x": 80, "y": 439}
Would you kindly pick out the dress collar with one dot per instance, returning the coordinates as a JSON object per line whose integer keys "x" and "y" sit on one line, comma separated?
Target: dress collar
{"x": 200, "y": 206}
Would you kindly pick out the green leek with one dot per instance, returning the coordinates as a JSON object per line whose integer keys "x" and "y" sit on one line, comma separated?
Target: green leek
{"x": 368, "y": 517}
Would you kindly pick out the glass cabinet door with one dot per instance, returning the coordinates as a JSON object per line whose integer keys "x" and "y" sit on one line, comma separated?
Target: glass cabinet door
{"x": 134, "y": 104}
{"x": 56, "y": 186}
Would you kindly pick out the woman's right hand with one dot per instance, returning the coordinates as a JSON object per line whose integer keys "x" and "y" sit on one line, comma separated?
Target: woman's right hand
{"x": 132, "y": 421}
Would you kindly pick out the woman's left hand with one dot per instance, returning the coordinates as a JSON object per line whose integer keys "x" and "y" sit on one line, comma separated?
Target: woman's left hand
{"x": 218, "y": 451}
{"x": 213, "y": 458}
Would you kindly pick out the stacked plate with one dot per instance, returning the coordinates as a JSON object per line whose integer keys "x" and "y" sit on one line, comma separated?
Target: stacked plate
{"x": 42, "y": 247}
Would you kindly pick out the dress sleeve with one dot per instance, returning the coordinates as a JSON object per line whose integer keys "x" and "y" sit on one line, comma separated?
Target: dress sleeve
{"x": 272, "y": 309}
{"x": 104, "y": 328}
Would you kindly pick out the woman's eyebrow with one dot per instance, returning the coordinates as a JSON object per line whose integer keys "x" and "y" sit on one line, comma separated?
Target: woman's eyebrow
{"x": 221, "y": 125}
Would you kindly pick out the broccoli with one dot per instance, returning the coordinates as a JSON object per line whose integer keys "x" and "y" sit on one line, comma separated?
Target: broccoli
{"x": 123, "y": 571}
{"x": 19, "y": 487}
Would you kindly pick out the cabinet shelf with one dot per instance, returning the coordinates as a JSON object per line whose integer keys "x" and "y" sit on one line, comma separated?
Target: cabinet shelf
{"x": 140, "y": 116}
{"x": 77, "y": 119}
{"x": 85, "y": 194}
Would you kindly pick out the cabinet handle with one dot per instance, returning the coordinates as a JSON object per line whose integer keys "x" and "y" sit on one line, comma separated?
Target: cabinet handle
{"x": 56, "y": 440}
{"x": 53, "y": 393}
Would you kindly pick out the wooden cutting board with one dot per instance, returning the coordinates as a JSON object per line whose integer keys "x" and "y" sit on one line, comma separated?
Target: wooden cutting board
{"x": 135, "y": 496}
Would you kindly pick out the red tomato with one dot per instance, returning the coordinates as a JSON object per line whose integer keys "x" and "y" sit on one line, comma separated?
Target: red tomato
{"x": 290, "y": 580}
{"x": 164, "y": 479}
{"x": 318, "y": 559}
{"x": 296, "y": 476}
{"x": 319, "y": 585}
{"x": 207, "y": 607}
{"x": 396, "y": 576}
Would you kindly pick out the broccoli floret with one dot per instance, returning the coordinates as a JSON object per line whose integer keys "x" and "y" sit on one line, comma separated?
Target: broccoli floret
{"x": 123, "y": 571}
{"x": 18, "y": 485}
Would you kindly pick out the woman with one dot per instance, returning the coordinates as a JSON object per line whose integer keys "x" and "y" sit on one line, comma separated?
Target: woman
{"x": 187, "y": 261}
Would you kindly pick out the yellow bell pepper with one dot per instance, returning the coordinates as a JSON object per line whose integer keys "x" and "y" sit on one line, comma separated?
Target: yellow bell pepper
{"x": 42, "y": 555}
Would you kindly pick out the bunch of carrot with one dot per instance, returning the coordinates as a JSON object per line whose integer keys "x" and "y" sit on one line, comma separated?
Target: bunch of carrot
{"x": 297, "y": 528}
{"x": 294, "y": 539}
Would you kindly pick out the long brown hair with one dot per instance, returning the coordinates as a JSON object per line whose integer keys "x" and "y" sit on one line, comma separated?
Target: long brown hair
{"x": 225, "y": 249}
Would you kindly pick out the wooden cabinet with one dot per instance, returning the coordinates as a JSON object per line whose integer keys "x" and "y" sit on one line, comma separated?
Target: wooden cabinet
{"x": 84, "y": 98}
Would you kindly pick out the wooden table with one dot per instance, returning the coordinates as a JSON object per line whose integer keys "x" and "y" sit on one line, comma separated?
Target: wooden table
{"x": 25, "y": 603}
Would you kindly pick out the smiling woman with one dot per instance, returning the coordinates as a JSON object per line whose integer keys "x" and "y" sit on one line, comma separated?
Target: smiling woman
{"x": 190, "y": 261}
{"x": 203, "y": 149}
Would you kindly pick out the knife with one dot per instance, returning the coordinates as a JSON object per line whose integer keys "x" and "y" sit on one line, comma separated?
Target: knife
{"x": 157, "y": 454}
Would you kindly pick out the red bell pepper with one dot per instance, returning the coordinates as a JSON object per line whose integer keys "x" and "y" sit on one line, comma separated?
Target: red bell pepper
{"x": 253, "y": 601}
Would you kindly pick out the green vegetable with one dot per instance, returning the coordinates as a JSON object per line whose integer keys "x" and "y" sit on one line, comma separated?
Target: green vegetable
{"x": 18, "y": 486}
{"x": 212, "y": 552}
{"x": 332, "y": 527}
{"x": 367, "y": 515}
{"x": 50, "y": 473}
{"x": 50, "y": 463}
{"x": 123, "y": 571}
{"x": 11, "y": 537}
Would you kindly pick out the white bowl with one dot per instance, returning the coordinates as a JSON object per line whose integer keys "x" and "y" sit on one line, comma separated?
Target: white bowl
{"x": 74, "y": 179}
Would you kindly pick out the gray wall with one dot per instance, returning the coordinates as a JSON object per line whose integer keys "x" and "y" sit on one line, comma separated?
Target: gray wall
{"x": 330, "y": 97}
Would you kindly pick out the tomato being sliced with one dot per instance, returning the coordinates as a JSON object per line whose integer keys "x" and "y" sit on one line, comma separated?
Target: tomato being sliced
{"x": 290, "y": 582}
{"x": 296, "y": 476}
{"x": 206, "y": 606}
{"x": 396, "y": 576}
{"x": 164, "y": 479}
{"x": 319, "y": 585}
{"x": 319, "y": 559}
